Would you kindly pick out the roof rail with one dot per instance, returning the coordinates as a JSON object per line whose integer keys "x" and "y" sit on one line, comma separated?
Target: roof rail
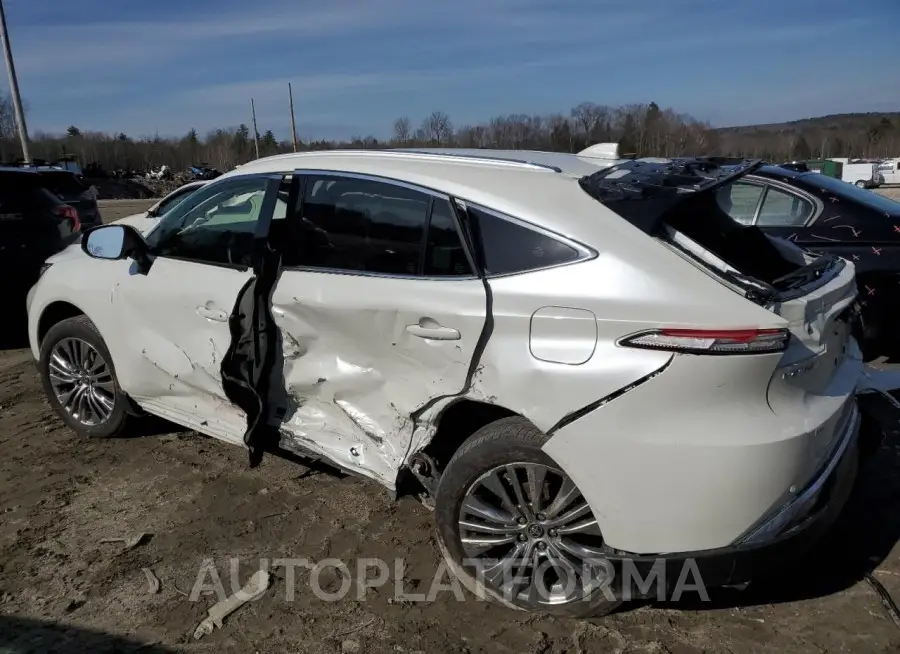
{"x": 423, "y": 153}
{"x": 475, "y": 157}
{"x": 601, "y": 151}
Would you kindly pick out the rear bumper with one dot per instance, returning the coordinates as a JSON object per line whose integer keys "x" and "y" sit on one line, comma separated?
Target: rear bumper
{"x": 782, "y": 536}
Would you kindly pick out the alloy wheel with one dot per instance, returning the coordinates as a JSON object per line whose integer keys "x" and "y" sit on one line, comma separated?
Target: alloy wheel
{"x": 82, "y": 381}
{"x": 531, "y": 536}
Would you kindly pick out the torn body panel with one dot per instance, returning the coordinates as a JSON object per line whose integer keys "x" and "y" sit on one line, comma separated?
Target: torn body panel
{"x": 362, "y": 354}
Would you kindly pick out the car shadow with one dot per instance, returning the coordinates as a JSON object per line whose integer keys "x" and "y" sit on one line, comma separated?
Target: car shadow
{"x": 26, "y": 635}
{"x": 858, "y": 543}
{"x": 13, "y": 332}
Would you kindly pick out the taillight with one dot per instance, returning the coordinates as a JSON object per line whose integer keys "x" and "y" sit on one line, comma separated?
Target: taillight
{"x": 711, "y": 341}
{"x": 65, "y": 212}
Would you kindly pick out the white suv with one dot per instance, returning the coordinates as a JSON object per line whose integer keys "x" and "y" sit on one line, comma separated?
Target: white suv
{"x": 579, "y": 365}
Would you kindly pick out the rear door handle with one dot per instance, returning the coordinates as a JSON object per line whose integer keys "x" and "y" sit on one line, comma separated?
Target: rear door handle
{"x": 428, "y": 328}
{"x": 212, "y": 314}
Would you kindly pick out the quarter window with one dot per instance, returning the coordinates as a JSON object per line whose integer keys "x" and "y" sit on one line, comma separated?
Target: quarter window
{"x": 781, "y": 209}
{"x": 512, "y": 248}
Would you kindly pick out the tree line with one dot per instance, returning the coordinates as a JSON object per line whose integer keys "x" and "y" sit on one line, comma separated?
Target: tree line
{"x": 640, "y": 129}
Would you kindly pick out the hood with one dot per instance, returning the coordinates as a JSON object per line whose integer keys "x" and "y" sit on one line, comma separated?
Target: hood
{"x": 140, "y": 221}
{"x": 73, "y": 251}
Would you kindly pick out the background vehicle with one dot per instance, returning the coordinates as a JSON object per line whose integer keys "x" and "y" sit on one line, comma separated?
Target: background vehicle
{"x": 34, "y": 224}
{"x": 71, "y": 189}
{"x": 203, "y": 171}
{"x": 863, "y": 175}
{"x": 890, "y": 171}
{"x": 497, "y": 328}
{"x": 145, "y": 221}
{"x": 826, "y": 215}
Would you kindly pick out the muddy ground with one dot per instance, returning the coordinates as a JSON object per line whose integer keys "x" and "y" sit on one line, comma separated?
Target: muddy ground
{"x": 62, "y": 589}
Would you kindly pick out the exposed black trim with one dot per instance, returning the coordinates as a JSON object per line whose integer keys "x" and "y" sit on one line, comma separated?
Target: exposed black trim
{"x": 569, "y": 418}
{"x": 423, "y": 247}
{"x": 247, "y": 365}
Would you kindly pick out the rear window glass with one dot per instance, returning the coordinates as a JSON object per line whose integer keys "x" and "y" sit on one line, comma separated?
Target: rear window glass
{"x": 512, "y": 248}
{"x": 23, "y": 191}
{"x": 63, "y": 184}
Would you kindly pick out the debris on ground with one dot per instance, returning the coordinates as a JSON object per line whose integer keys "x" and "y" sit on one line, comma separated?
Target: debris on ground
{"x": 153, "y": 583}
{"x": 130, "y": 543}
{"x": 217, "y": 613}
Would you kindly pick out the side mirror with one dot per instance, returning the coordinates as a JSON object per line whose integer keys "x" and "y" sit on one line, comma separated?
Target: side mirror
{"x": 112, "y": 242}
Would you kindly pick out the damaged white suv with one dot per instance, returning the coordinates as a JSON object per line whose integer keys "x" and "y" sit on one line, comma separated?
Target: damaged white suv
{"x": 585, "y": 367}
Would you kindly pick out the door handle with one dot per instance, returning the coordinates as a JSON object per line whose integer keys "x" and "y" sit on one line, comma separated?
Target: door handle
{"x": 428, "y": 328}
{"x": 212, "y": 314}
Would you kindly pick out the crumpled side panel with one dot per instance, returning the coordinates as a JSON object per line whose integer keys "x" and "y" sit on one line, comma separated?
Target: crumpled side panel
{"x": 352, "y": 382}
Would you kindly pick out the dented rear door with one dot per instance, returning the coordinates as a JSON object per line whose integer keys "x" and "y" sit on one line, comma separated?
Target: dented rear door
{"x": 379, "y": 313}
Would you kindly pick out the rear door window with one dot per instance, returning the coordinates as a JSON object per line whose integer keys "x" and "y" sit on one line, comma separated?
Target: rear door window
{"x": 63, "y": 184}
{"x": 445, "y": 255}
{"x": 363, "y": 225}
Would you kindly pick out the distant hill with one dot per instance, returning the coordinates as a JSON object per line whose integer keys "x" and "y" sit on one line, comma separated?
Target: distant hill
{"x": 830, "y": 122}
{"x": 837, "y": 135}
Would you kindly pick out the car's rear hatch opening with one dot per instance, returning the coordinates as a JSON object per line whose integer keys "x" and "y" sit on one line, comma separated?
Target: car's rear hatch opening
{"x": 676, "y": 202}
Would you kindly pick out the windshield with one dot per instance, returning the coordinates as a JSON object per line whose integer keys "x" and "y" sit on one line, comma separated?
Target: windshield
{"x": 853, "y": 193}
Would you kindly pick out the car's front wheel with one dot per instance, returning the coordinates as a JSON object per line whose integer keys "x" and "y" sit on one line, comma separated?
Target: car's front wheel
{"x": 80, "y": 381}
{"x": 514, "y": 527}
{"x": 861, "y": 184}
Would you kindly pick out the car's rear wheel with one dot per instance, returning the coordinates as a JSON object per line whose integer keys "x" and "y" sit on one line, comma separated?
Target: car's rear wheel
{"x": 861, "y": 184}
{"x": 80, "y": 381}
{"x": 514, "y": 527}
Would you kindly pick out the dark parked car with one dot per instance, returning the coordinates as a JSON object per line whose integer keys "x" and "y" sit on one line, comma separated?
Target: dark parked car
{"x": 71, "y": 189}
{"x": 34, "y": 224}
{"x": 824, "y": 214}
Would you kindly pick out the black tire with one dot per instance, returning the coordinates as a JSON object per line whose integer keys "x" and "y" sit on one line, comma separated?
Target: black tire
{"x": 81, "y": 327}
{"x": 504, "y": 441}
{"x": 861, "y": 184}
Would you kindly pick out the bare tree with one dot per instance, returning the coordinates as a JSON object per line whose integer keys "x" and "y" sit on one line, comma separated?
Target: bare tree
{"x": 402, "y": 131}
{"x": 645, "y": 129}
{"x": 438, "y": 129}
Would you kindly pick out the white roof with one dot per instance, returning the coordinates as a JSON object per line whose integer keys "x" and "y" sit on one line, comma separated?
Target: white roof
{"x": 539, "y": 187}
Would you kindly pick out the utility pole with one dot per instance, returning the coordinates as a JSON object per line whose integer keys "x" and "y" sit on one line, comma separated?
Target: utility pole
{"x": 293, "y": 125}
{"x": 14, "y": 86}
{"x": 255, "y": 130}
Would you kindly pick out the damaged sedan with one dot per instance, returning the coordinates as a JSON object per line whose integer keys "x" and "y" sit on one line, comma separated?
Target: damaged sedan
{"x": 585, "y": 369}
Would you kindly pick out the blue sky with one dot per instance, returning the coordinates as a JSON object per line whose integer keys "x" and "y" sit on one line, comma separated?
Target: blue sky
{"x": 355, "y": 65}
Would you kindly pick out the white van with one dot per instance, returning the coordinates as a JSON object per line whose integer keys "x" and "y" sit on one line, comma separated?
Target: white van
{"x": 890, "y": 170}
{"x": 864, "y": 175}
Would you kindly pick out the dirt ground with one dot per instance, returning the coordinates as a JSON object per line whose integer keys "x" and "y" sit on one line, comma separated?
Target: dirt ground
{"x": 63, "y": 590}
